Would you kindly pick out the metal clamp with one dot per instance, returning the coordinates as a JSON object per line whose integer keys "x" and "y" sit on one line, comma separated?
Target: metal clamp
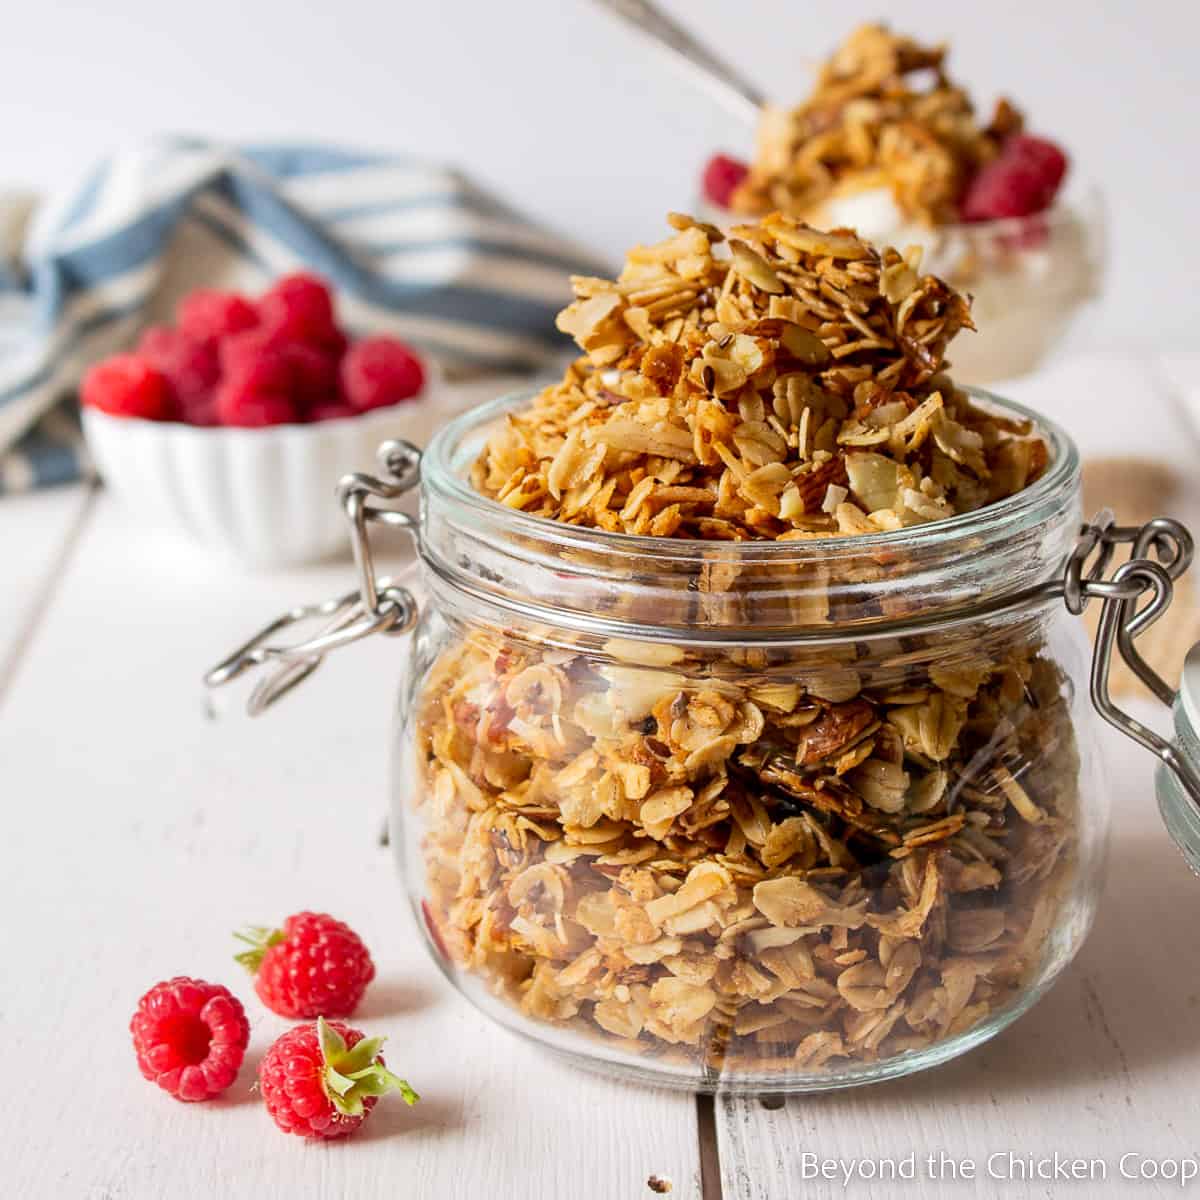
{"x": 1137, "y": 593}
{"x": 375, "y": 606}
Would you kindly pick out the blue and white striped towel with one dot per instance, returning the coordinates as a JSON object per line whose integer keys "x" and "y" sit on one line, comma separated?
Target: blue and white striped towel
{"x": 413, "y": 248}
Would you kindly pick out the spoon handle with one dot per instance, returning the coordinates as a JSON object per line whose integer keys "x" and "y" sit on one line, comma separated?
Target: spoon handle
{"x": 725, "y": 83}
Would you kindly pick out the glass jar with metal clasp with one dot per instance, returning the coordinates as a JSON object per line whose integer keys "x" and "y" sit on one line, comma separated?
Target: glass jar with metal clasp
{"x": 780, "y": 816}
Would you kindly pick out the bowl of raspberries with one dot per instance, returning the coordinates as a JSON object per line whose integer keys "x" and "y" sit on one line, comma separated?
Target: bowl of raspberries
{"x": 235, "y": 423}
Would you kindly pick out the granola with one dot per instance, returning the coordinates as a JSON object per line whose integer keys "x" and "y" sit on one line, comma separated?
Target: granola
{"x": 883, "y": 114}
{"x": 730, "y": 869}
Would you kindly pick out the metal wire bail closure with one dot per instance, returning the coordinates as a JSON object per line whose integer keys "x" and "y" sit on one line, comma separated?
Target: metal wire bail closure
{"x": 1133, "y": 598}
{"x": 375, "y": 606}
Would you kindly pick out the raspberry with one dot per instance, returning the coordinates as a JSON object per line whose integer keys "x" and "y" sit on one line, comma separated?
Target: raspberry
{"x": 1044, "y": 155}
{"x": 190, "y": 1037}
{"x": 313, "y": 966}
{"x": 299, "y": 308}
{"x": 191, "y": 367}
{"x": 1023, "y": 180}
{"x": 314, "y": 376}
{"x": 258, "y": 393}
{"x": 322, "y": 1080}
{"x": 335, "y": 344}
{"x": 380, "y": 371}
{"x": 242, "y": 349}
{"x": 722, "y": 175}
{"x": 246, "y": 345}
{"x": 245, "y": 408}
{"x": 127, "y": 386}
{"x": 207, "y": 315}
{"x": 308, "y": 374}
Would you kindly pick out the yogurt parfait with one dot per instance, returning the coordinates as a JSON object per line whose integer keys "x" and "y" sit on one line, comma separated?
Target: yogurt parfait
{"x": 888, "y": 144}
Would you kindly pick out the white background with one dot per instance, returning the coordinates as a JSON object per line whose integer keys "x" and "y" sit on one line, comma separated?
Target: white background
{"x": 558, "y": 108}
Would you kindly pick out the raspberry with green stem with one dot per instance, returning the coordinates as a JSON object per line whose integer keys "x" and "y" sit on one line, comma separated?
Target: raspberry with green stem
{"x": 323, "y": 1080}
{"x": 313, "y": 966}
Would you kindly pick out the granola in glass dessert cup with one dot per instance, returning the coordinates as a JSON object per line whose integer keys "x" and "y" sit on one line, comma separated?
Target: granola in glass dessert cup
{"x": 889, "y": 145}
{"x": 734, "y": 753}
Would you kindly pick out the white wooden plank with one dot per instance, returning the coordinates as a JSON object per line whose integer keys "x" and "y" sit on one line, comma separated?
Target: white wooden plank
{"x": 159, "y": 831}
{"x": 34, "y": 532}
{"x": 1104, "y": 1065}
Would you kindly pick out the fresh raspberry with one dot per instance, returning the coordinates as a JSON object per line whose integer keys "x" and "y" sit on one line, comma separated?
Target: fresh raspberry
{"x": 311, "y": 370}
{"x": 191, "y": 367}
{"x": 722, "y": 175}
{"x": 1021, "y": 181}
{"x": 244, "y": 408}
{"x": 314, "y": 377}
{"x": 128, "y": 386}
{"x": 1046, "y": 155}
{"x": 241, "y": 349}
{"x": 300, "y": 308}
{"x": 322, "y": 1080}
{"x": 258, "y": 393}
{"x": 335, "y": 344}
{"x": 380, "y": 371}
{"x": 207, "y": 315}
{"x": 313, "y": 966}
{"x": 190, "y": 1037}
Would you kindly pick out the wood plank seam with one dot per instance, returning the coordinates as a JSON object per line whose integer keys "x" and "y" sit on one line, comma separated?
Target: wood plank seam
{"x": 710, "y": 1150}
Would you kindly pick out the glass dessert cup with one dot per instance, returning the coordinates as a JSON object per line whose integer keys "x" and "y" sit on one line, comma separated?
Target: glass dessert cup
{"x": 748, "y": 816}
{"x": 1028, "y": 277}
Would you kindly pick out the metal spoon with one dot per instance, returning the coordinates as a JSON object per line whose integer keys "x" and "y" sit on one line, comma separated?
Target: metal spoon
{"x": 725, "y": 84}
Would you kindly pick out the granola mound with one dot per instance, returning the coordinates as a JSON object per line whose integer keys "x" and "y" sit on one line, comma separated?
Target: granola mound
{"x": 790, "y": 383}
{"x": 883, "y": 113}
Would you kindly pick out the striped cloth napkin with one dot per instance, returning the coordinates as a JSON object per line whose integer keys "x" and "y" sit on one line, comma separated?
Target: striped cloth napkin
{"x": 413, "y": 249}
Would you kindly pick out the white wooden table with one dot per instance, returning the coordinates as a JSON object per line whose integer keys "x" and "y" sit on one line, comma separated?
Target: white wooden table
{"x": 139, "y": 832}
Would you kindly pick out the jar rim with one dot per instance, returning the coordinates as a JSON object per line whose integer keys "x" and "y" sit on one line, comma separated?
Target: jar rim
{"x": 441, "y": 476}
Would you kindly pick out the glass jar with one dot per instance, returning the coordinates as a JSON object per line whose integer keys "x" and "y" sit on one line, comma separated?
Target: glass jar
{"x": 754, "y": 816}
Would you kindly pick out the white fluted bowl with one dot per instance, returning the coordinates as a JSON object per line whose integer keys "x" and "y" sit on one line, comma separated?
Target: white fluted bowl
{"x": 263, "y": 496}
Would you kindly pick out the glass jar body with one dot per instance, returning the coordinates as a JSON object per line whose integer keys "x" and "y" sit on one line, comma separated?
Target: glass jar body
{"x": 750, "y": 865}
